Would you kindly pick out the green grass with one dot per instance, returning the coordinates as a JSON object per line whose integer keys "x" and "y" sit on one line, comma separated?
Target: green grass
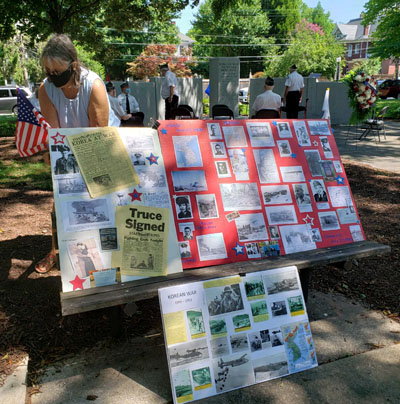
{"x": 7, "y": 125}
{"x": 25, "y": 174}
{"x": 393, "y": 111}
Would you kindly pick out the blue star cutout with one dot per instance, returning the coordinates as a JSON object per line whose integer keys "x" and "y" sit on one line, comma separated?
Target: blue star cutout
{"x": 293, "y": 155}
{"x": 332, "y": 130}
{"x": 339, "y": 179}
{"x": 153, "y": 159}
{"x": 164, "y": 131}
{"x": 238, "y": 249}
{"x": 274, "y": 123}
{"x": 358, "y": 222}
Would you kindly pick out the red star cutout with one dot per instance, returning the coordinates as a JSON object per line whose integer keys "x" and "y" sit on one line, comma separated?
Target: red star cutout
{"x": 135, "y": 195}
{"x": 308, "y": 219}
{"x": 77, "y": 283}
{"x": 58, "y": 138}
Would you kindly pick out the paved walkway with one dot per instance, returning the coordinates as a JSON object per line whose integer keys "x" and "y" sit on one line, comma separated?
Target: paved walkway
{"x": 383, "y": 155}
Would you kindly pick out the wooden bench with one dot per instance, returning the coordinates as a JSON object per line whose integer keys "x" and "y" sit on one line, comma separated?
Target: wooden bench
{"x": 115, "y": 295}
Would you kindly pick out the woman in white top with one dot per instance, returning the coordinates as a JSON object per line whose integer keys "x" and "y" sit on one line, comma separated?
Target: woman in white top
{"x": 71, "y": 96}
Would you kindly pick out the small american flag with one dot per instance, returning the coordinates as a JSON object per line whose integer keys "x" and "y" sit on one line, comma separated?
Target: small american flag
{"x": 31, "y": 132}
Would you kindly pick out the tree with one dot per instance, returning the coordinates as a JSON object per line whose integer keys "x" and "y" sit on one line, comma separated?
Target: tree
{"x": 147, "y": 64}
{"x": 311, "y": 50}
{"x": 386, "y": 37}
{"x": 8, "y": 59}
{"x": 241, "y": 31}
{"x": 317, "y": 15}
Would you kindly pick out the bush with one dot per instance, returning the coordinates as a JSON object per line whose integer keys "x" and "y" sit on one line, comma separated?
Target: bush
{"x": 206, "y": 106}
{"x": 7, "y": 125}
{"x": 393, "y": 111}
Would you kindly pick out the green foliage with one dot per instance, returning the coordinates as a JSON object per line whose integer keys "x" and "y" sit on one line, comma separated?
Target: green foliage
{"x": 393, "y": 111}
{"x": 206, "y": 106}
{"x": 244, "y": 109}
{"x": 24, "y": 173}
{"x": 317, "y": 15}
{"x": 8, "y": 59}
{"x": 370, "y": 66}
{"x": 7, "y": 125}
{"x": 311, "y": 51}
{"x": 88, "y": 59}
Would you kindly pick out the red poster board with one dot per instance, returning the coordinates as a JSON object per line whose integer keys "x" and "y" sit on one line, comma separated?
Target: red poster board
{"x": 249, "y": 189}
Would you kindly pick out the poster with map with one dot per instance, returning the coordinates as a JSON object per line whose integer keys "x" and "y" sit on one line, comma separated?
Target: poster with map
{"x": 227, "y": 333}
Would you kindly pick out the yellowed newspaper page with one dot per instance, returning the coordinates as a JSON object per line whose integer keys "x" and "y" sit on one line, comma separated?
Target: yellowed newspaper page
{"x": 103, "y": 160}
{"x": 143, "y": 239}
{"x": 175, "y": 328}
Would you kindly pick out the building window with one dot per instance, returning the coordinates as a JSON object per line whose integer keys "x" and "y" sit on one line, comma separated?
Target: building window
{"x": 357, "y": 48}
{"x": 349, "y": 49}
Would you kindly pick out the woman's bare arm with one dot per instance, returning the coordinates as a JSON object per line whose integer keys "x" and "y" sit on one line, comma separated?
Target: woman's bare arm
{"x": 98, "y": 105}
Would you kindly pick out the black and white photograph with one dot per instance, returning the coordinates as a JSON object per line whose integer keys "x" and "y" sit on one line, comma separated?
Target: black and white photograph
{"x": 219, "y": 346}
{"x": 187, "y": 151}
{"x": 138, "y": 158}
{"x": 270, "y": 367}
{"x": 319, "y": 191}
{"x": 151, "y": 177}
{"x": 138, "y": 142}
{"x": 292, "y": 174}
{"x": 284, "y": 214}
{"x": 276, "y": 194}
{"x": 327, "y": 170}
{"x": 121, "y": 198}
{"x": 85, "y": 257}
{"x": 108, "y": 238}
{"x": 187, "y": 230}
{"x": 214, "y": 131}
{"x": 182, "y": 354}
{"x": 183, "y": 207}
{"x": 223, "y": 170}
{"x": 240, "y": 196}
{"x": 224, "y": 299}
{"x": 266, "y": 166}
{"x": 239, "y": 342}
{"x": 284, "y": 130}
{"x": 211, "y": 246}
{"x": 313, "y": 158}
{"x": 338, "y": 166}
{"x": 104, "y": 180}
{"x": 301, "y": 133}
{"x": 63, "y": 160}
{"x": 252, "y": 250}
{"x": 189, "y": 181}
{"x": 278, "y": 308}
{"x": 284, "y": 148}
{"x": 255, "y": 341}
{"x": 232, "y": 372}
{"x": 276, "y": 337}
{"x": 239, "y": 164}
{"x": 296, "y": 238}
{"x": 315, "y": 235}
{"x": 279, "y": 282}
{"x": 184, "y": 249}
{"x": 218, "y": 149}
{"x": 207, "y": 206}
{"x": 319, "y": 128}
{"x": 71, "y": 186}
{"x": 356, "y": 233}
{"x": 340, "y": 196}
{"x": 251, "y": 227}
{"x": 86, "y": 214}
{"x": 329, "y": 221}
{"x": 347, "y": 215}
{"x": 234, "y": 136}
{"x": 302, "y": 196}
{"x": 260, "y": 134}
{"x": 274, "y": 232}
{"x": 326, "y": 148}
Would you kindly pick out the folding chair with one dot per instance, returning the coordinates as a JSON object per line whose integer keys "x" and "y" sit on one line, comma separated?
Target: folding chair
{"x": 181, "y": 113}
{"x": 189, "y": 108}
{"x": 375, "y": 123}
{"x": 222, "y": 112}
{"x": 267, "y": 114}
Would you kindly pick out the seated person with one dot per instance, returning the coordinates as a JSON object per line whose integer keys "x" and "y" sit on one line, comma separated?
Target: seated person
{"x": 130, "y": 106}
{"x": 115, "y": 104}
{"x": 267, "y": 99}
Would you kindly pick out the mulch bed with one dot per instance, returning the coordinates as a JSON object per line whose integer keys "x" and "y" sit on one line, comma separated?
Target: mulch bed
{"x": 30, "y": 313}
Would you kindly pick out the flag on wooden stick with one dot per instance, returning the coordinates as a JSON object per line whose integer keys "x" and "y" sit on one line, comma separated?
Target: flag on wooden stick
{"x": 31, "y": 135}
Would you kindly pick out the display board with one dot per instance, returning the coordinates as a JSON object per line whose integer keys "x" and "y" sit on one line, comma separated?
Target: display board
{"x": 233, "y": 332}
{"x": 90, "y": 239}
{"x": 249, "y": 189}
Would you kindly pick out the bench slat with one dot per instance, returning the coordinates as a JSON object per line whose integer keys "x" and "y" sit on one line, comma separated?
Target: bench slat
{"x": 112, "y": 295}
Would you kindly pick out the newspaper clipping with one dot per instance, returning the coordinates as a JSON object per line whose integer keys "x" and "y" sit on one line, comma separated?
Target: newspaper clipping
{"x": 143, "y": 240}
{"x": 103, "y": 161}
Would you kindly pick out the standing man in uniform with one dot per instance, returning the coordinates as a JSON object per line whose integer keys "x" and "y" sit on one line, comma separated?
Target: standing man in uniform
{"x": 267, "y": 99}
{"x": 169, "y": 90}
{"x": 294, "y": 86}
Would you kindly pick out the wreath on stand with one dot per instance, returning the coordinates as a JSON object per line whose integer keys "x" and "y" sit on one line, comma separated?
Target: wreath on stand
{"x": 362, "y": 95}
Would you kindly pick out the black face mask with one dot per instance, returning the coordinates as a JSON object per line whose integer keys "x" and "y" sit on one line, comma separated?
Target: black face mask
{"x": 61, "y": 79}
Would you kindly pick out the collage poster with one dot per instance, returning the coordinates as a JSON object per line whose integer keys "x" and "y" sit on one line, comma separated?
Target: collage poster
{"x": 232, "y": 332}
{"x": 250, "y": 189}
{"x": 123, "y": 234}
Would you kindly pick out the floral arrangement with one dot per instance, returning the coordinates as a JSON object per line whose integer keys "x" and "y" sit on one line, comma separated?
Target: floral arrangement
{"x": 362, "y": 94}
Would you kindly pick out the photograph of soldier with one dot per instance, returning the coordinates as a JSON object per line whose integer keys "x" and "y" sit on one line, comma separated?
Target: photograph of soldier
{"x": 224, "y": 299}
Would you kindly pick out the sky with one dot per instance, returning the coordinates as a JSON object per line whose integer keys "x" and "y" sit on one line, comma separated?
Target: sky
{"x": 341, "y": 11}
